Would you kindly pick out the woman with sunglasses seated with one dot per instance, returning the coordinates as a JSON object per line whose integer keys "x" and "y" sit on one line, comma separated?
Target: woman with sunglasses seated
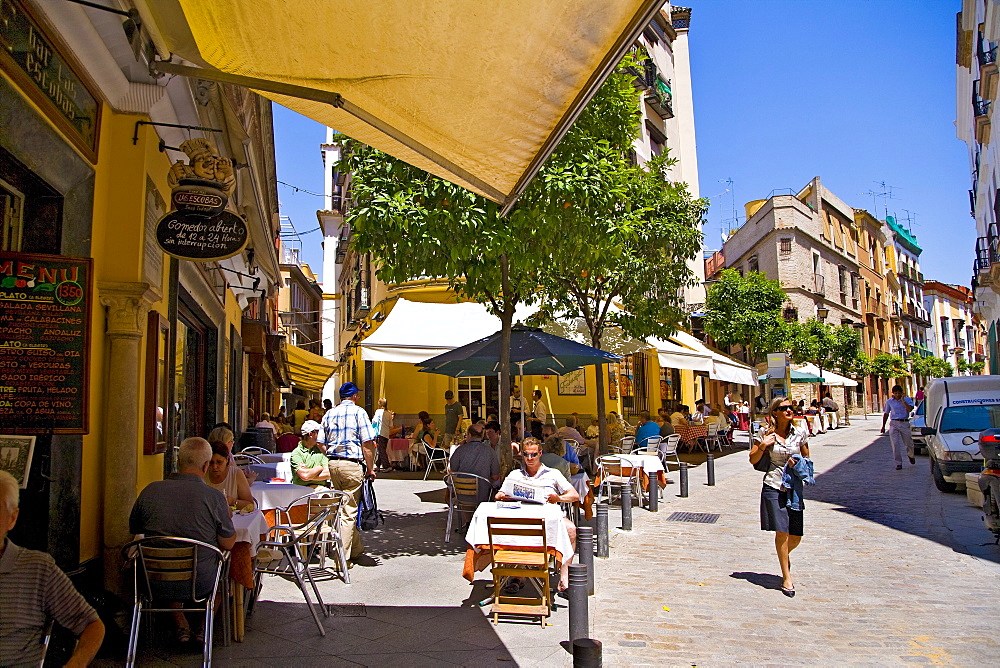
{"x": 783, "y": 440}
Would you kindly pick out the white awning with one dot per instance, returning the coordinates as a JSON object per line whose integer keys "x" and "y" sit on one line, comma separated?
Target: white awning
{"x": 724, "y": 367}
{"x": 674, "y": 356}
{"x": 479, "y": 93}
{"x": 829, "y": 377}
{"x": 416, "y": 331}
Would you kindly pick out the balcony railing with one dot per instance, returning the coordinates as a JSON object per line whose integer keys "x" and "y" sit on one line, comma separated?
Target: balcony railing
{"x": 988, "y": 56}
{"x": 715, "y": 263}
{"x": 987, "y": 249}
{"x": 661, "y": 98}
{"x": 343, "y": 242}
{"x": 980, "y": 107}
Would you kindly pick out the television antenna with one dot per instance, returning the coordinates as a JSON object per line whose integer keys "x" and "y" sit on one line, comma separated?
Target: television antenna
{"x": 884, "y": 192}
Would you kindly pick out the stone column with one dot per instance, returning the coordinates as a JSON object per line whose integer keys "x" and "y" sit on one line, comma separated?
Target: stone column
{"x": 127, "y": 305}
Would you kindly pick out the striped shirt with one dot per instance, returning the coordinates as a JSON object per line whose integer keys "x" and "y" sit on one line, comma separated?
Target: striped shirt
{"x": 33, "y": 589}
{"x": 345, "y": 427}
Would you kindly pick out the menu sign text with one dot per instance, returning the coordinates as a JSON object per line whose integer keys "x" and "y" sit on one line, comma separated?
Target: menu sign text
{"x": 45, "y": 305}
{"x": 192, "y": 237}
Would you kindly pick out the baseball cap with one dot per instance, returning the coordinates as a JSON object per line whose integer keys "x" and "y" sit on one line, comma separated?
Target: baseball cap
{"x": 348, "y": 389}
{"x": 309, "y": 426}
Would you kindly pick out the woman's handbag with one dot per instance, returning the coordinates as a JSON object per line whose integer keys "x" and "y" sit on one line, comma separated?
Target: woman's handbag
{"x": 764, "y": 463}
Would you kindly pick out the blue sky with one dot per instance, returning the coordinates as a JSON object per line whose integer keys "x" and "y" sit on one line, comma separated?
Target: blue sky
{"x": 857, "y": 92}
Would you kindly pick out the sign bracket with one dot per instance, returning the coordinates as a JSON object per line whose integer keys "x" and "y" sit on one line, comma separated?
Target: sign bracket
{"x": 135, "y": 135}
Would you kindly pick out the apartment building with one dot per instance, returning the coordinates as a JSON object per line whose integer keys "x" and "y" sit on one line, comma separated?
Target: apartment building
{"x": 957, "y": 335}
{"x": 978, "y": 76}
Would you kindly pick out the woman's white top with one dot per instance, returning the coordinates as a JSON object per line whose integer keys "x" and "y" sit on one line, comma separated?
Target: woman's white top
{"x": 780, "y": 452}
{"x": 228, "y": 485}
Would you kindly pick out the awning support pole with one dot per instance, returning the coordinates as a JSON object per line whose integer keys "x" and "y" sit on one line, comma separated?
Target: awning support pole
{"x": 334, "y": 100}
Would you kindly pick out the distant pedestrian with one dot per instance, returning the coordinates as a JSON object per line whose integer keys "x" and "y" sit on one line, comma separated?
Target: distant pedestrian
{"x": 783, "y": 440}
{"x": 382, "y": 422}
{"x": 919, "y": 396}
{"x": 453, "y": 414}
{"x": 897, "y": 409}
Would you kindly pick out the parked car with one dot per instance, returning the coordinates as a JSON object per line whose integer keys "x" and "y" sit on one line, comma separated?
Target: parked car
{"x": 917, "y": 423}
{"x": 956, "y": 408}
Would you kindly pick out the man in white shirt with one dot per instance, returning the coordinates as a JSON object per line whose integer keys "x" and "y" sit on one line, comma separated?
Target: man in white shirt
{"x": 897, "y": 409}
{"x": 539, "y": 414}
{"x": 555, "y": 489}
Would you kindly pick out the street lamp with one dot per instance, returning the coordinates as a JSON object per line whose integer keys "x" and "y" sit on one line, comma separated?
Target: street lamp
{"x": 822, "y": 312}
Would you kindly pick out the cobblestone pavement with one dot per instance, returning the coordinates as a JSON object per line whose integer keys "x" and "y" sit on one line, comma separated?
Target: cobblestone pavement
{"x": 890, "y": 571}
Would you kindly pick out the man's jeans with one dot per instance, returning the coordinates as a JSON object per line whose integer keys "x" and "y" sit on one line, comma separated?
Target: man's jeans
{"x": 900, "y": 437}
{"x": 347, "y": 477}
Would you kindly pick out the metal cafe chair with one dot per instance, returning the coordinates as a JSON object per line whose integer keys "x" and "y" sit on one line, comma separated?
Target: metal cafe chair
{"x": 243, "y": 460}
{"x": 650, "y": 448}
{"x": 612, "y": 473}
{"x": 463, "y": 496}
{"x": 526, "y": 556}
{"x": 330, "y": 543}
{"x": 435, "y": 456}
{"x": 288, "y": 551}
{"x": 165, "y": 568}
{"x": 255, "y": 451}
{"x": 668, "y": 448}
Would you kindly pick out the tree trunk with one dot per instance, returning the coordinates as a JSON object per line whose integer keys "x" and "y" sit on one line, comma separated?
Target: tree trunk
{"x": 506, "y": 320}
{"x": 602, "y": 413}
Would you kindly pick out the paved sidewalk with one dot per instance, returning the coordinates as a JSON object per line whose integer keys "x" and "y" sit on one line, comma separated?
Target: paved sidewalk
{"x": 890, "y": 571}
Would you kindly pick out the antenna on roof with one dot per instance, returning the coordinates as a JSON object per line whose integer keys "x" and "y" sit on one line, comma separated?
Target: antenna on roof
{"x": 911, "y": 220}
{"x": 883, "y": 192}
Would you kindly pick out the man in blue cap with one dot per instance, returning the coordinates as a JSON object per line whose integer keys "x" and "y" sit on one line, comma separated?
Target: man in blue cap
{"x": 349, "y": 438}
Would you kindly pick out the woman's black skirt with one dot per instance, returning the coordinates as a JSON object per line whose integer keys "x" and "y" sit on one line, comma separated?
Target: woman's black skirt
{"x": 775, "y": 515}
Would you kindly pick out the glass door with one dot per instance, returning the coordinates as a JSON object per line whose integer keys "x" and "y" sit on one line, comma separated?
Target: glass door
{"x": 472, "y": 395}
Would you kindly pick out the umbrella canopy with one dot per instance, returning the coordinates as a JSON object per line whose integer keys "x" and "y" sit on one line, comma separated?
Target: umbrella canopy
{"x": 531, "y": 349}
{"x": 797, "y": 377}
{"x": 479, "y": 93}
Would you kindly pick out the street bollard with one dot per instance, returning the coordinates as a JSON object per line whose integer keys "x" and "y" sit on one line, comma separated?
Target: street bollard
{"x": 654, "y": 493}
{"x": 626, "y": 498}
{"x": 710, "y": 466}
{"x": 684, "y": 479}
{"x": 579, "y": 622}
{"x": 587, "y": 653}
{"x": 602, "y": 531}
{"x": 585, "y": 548}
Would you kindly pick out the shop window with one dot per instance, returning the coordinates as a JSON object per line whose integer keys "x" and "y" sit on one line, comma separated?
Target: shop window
{"x": 471, "y": 394}
{"x": 790, "y": 314}
{"x": 30, "y": 210}
{"x": 752, "y": 264}
{"x": 670, "y": 388}
{"x": 156, "y": 390}
{"x": 11, "y": 205}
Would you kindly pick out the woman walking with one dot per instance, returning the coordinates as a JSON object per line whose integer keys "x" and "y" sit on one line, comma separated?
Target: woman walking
{"x": 782, "y": 440}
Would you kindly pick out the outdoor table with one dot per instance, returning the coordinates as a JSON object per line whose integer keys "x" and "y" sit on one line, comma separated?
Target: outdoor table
{"x": 744, "y": 419}
{"x": 276, "y": 457}
{"x": 815, "y": 423}
{"x": 398, "y": 449}
{"x": 270, "y": 470}
{"x": 581, "y": 482}
{"x": 249, "y": 529}
{"x": 271, "y": 495}
{"x": 691, "y": 433}
{"x": 477, "y": 556}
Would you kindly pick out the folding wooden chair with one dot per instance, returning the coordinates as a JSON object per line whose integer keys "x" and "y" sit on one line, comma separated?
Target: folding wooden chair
{"x": 530, "y": 561}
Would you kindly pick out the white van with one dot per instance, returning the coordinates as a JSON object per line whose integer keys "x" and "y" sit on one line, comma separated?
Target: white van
{"x": 956, "y": 408}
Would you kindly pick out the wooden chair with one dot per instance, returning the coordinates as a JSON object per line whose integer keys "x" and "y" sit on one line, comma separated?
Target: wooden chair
{"x": 463, "y": 496}
{"x": 530, "y": 562}
{"x": 165, "y": 568}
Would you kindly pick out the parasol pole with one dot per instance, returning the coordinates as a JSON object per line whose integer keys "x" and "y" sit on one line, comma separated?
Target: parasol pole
{"x": 520, "y": 437}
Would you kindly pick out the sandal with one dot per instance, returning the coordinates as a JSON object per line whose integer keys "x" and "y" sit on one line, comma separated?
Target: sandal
{"x": 183, "y": 635}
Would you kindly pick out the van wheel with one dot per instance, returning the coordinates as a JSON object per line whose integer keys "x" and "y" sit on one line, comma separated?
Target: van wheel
{"x": 939, "y": 481}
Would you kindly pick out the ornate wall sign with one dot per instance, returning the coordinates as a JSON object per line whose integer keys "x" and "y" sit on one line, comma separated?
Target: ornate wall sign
{"x": 200, "y": 228}
{"x": 33, "y": 60}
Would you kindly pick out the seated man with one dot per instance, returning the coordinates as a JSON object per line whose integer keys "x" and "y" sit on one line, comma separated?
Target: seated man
{"x": 34, "y": 590}
{"x": 553, "y": 455}
{"x": 477, "y": 457}
{"x": 569, "y": 454}
{"x": 646, "y": 429}
{"x": 679, "y": 417}
{"x": 555, "y": 489}
{"x": 184, "y": 506}
{"x": 309, "y": 463}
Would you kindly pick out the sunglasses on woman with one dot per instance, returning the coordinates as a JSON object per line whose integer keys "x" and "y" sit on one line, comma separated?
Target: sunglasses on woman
{"x": 785, "y": 408}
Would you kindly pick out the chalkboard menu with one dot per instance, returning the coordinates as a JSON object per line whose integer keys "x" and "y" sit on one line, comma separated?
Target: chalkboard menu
{"x": 45, "y": 305}
{"x": 187, "y": 236}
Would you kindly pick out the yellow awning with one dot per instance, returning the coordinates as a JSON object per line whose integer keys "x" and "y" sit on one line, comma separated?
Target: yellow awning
{"x": 478, "y": 93}
{"x": 306, "y": 370}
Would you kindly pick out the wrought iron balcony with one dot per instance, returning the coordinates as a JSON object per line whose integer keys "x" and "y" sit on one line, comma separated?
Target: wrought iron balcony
{"x": 343, "y": 243}
{"x": 980, "y": 107}
{"x": 660, "y": 98}
{"x": 987, "y": 56}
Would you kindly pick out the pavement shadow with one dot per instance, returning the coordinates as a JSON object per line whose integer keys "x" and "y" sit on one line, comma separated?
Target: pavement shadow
{"x": 867, "y": 486}
{"x": 765, "y": 580}
{"x": 412, "y": 534}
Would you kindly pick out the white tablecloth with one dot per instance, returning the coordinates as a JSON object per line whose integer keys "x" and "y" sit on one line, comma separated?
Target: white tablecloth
{"x": 648, "y": 463}
{"x": 249, "y": 527}
{"x": 580, "y": 482}
{"x": 271, "y": 495}
{"x": 556, "y": 534}
{"x": 276, "y": 458}
{"x": 270, "y": 470}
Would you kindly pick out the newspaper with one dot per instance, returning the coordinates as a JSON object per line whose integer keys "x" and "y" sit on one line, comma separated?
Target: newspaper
{"x": 524, "y": 491}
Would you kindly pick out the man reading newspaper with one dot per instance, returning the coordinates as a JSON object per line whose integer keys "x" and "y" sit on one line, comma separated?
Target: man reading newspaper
{"x": 535, "y": 482}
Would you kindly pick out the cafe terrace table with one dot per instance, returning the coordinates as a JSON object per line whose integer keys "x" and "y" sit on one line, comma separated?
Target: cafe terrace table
{"x": 477, "y": 556}
{"x": 276, "y": 458}
{"x": 691, "y": 433}
{"x": 271, "y": 495}
{"x": 270, "y": 470}
{"x": 581, "y": 483}
{"x": 250, "y": 527}
{"x": 398, "y": 449}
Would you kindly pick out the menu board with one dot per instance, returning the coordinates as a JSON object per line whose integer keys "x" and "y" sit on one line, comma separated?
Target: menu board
{"x": 45, "y": 305}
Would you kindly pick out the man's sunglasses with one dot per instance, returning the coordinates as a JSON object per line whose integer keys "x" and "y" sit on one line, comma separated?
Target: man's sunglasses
{"x": 531, "y": 455}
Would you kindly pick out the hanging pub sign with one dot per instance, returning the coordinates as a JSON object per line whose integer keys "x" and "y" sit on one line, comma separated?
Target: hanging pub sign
{"x": 200, "y": 228}
{"x": 45, "y": 303}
